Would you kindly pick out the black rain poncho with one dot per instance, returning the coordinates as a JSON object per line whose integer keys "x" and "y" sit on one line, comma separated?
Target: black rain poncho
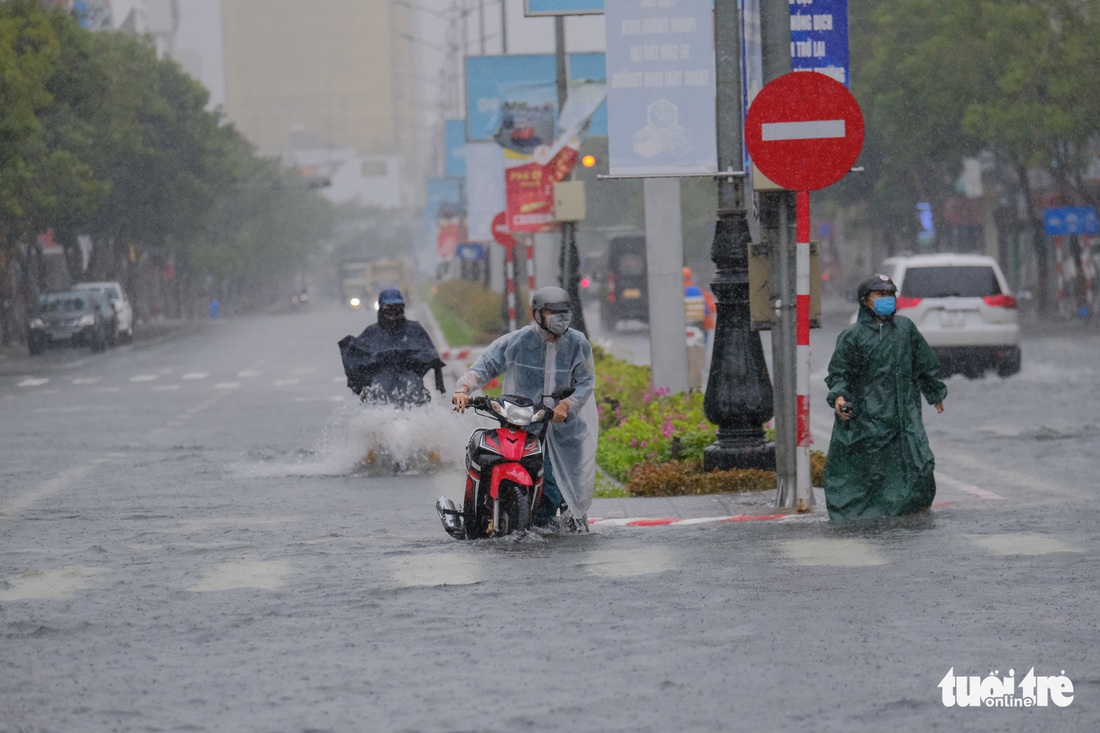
{"x": 387, "y": 365}
{"x": 879, "y": 462}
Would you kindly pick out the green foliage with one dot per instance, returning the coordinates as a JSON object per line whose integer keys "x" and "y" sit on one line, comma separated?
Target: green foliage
{"x": 651, "y": 443}
{"x": 682, "y": 478}
{"x": 940, "y": 80}
{"x": 459, "y": 303}
{"x": 101, "y": 137}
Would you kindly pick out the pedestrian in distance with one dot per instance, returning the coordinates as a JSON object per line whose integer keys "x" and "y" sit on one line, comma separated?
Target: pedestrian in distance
{"x": 879, "y": 462}
{"x": 544, "y": 357}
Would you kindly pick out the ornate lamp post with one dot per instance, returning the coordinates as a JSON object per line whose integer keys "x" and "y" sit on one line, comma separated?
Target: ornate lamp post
{"x": 739, "y": 392}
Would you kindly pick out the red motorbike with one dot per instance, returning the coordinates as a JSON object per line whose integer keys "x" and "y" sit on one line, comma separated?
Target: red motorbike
{"x": 503, "y": 469}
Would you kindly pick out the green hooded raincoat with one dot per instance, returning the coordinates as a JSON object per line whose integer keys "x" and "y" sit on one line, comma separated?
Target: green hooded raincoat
{"x": 879, "y": 462}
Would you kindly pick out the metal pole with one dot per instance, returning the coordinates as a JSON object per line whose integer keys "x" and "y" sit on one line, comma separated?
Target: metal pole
{"x": 739, "y": 394}
{"x": 776, "y": 220}
{"x": 804, "y": 495}
{"x": 481, "y": 24}
{"x": 569, "y": 261}
{"x": 504, "y": 27}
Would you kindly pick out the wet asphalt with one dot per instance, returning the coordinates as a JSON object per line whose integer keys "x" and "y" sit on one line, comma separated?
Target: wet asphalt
{"x": 189, "y": 540}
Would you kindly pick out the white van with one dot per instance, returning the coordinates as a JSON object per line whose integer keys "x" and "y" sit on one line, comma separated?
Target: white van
{"x": 117, "y": 296}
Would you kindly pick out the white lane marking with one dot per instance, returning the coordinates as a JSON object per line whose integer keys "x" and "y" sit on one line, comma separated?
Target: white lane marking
{"x": 967, "y": 488}
{"x": 49, "y": 585}
{"x": 1022, "y": 543}
{"x": 258, "y": 574}
{"x": 195, "y": 375}
{"x": 143, "y": 377}
{"x": 285, "y": 382}
{"x": 1011, "y": 477}
{"x": 848, "y": 553}
{"x": 85, "y": 380}
{"x": 627, "y": 563}
{"x": 807, "y": 130}
{"x": 227, "y": 385}
{"x": 33, "y": 382}
{"x": 249, "y": 373}
{"x": 434, "y": 569}
{"x": 47, "y": 488}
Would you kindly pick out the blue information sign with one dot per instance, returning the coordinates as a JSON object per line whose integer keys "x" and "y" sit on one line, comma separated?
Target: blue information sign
{"x": 563, "y": 7}
{"x": 454, "y": 133}
{"x": 819, "y": 37}
{"x": 1070, "y": 220}
{"x": 470, "y": 251}
{"x": 662, "y": 86}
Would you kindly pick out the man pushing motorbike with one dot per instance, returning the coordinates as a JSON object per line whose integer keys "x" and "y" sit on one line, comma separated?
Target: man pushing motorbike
{"x": 542, "y": 358}
{"x": 386, "y": 363}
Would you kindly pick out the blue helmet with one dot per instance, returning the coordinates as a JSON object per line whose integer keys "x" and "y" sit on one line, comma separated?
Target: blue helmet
{"x": 390, "y": 296}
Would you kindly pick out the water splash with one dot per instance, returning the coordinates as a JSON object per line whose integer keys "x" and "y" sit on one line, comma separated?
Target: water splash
{"x": 378, "y": 440}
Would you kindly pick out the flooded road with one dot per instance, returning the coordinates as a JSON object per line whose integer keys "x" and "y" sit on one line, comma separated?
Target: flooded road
{"x": 192, "y": 538}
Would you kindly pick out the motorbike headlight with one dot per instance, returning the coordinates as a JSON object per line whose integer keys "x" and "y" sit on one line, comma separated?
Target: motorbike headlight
{"x": 87, "y": 320}
{"x": 354, "y": 302}
{"x": 517, "y": 414}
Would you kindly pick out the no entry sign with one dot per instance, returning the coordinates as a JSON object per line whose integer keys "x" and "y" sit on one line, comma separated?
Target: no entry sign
{"x": 501, "y": 233}
{"x": 804, "y": 131}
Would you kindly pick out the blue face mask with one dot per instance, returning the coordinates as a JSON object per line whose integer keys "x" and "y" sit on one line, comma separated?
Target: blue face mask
{"x": 885, "y": 306}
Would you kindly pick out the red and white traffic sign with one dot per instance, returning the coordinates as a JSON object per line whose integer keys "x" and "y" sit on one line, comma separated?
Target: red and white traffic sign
{"x": 804, "y": 131}
{"x": 501, "y": 232}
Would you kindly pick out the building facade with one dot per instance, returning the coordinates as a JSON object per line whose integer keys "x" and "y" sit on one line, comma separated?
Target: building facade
{"x": 325, "y": 75}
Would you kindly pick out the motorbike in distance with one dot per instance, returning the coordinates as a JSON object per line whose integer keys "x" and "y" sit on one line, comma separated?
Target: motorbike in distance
{"x": 504, "y": 472}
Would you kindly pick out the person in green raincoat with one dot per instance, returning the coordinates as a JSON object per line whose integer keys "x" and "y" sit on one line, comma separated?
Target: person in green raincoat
{"x": 879, "y": 462}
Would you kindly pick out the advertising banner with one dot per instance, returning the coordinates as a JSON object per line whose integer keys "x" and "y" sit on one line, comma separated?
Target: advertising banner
{"x": 444, "y": 214}
{"x": 454, "y": 137}
{"x": 563, "y": 7}
{"x": 661, "y": 87}
{"x": 530, "y": 171}
{"x": 492, "y": 82}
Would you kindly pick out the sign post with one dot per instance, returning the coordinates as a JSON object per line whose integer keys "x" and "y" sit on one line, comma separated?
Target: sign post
{"x": 505, "y": 239}
{"x": 804, "y": 131}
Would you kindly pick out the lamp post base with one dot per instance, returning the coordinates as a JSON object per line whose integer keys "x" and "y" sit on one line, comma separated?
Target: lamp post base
{"x": 728, "y": 453}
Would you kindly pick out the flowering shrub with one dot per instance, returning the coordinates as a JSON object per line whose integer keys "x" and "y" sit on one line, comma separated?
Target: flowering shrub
{"x": 653, "y": 442}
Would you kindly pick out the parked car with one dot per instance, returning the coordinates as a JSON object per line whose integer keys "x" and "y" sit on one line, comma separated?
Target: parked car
{"x": 74, "y": 318}
{"x": 627, "y": 293}
{"x": 124, "y": 328}
{"x": 964, "y": 308}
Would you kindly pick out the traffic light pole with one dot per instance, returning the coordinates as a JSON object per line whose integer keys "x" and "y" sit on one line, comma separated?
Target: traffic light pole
{"x": 569, "y": 261}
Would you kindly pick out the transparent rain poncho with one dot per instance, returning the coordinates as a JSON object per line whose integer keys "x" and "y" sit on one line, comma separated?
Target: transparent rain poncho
{"x": 534, "y": 366}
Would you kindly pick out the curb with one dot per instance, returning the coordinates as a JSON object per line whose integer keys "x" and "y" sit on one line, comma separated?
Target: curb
{"x": 676, "y": 522}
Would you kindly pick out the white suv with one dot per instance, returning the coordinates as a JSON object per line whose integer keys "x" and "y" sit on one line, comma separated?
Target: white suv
{"x": 117, "y": 296}
{"x": 962, "y": 305}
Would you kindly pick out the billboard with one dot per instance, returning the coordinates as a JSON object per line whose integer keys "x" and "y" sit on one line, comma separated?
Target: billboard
{"x": 563, "y": 7}
{"x": 661, "y": 88}
{"x": 454, "y": 137}
{"x": 494, "y": 81}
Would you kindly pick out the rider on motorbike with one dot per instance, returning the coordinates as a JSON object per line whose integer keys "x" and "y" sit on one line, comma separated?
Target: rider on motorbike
{"x": 542, "y": 358}
{"x": 386, "y": 363}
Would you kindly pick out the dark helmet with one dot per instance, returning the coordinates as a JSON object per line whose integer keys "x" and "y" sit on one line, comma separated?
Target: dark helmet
{"x": 552, "y": 298}
{"x": 390, "y": 296}
{"x": 876, "y": 284}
